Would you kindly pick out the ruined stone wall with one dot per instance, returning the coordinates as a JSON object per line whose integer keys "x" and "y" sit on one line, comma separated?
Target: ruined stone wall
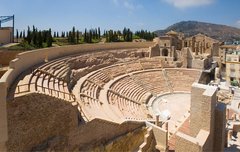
{"x": 34, "y": 119}
{"x": 154, "y": 51}
{"x": 7, "y": 56}
{"x": 128, "y": 142}
{"x": 198, "y": 63}
{"x": 203, "y": 101}
{"x": 40, "y": 122}
{"x": 161, "y": 136}
{"x": 202, "y": 111}
{"x": 99, "y": 132}
{"x": 220, "y": 123}
{"x": 187, "y": 58}
{"x": 196, "y": 105}
{"x": 2, "y": 72}
{"x": 186, "y": 143}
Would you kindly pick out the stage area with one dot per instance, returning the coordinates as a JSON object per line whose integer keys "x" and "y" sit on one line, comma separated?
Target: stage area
{"x": 173, "y": 108}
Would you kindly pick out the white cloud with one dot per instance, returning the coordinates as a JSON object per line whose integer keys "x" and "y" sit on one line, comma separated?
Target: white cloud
{"x": 238, "y": 24}
{"x": 182, "y": 4}
{"x": 115, "y": 2}
{"x": 128, "y": 4}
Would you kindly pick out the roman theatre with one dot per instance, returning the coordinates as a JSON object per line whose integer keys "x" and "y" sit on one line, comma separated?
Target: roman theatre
{"x": 107, "y": 97}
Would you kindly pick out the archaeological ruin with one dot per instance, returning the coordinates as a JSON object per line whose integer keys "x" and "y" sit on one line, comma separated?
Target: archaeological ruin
{"x": 163, "y": 96}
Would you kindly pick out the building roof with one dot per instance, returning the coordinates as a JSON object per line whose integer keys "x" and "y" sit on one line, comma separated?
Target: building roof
{"x": 171, "y": 33}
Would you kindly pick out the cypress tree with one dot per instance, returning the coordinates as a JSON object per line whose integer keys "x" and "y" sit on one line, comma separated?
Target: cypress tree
{"x": 20, "y": 34}
{"x": 99, "y": 33}
{"x": 95, "y": 34}
{"x": 40, "y": 39}
{"x": 77, "y": 36}
{"x": 106, "y": 35}
{"x": 44, "y": 35}
{"x": 73, "y": 39}
{"x": 34, "y": 39}
{"x": 24, "y": 34}
{"x": 57, "y": 34}
{"x": 69, "y": 37}
{"x": 90, "y": 36}
{"x": 49, "y": 38}
{"x": 85, "y": 35}
{"x": 29, "y": 35}
{"x": 17, "y": 35}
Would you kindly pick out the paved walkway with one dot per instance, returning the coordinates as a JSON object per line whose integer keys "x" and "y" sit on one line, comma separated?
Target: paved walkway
{"x": 9, "y": 45}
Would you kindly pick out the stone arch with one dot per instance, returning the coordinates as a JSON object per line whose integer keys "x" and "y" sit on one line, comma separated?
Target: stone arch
{"x": 165, "y": 52}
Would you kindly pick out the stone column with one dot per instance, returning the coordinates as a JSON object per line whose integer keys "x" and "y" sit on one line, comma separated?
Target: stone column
{"x": 201, "y": 48}
{"x": 157, "y": 120}
{"x": 204, "y": 45}
{"x": 197, "y": 48}
{"x": 230, "y": 132}
{"x": 166, "y": 126}
{"x": 227, "y": 114}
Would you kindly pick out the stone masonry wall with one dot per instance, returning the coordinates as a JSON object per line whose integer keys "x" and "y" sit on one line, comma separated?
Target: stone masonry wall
{"x": 220, "y": 123}
{"x": 154, "y": 51}
{"x": 7, "y": 56}
{"x": 128, "y": 142}
{"x": 202, "y": 112}
{"x": 99, "y": 132}
{"x": 187, "y": 144}
{"x": 35, "y": 118}
{"x": 195, "y": 118}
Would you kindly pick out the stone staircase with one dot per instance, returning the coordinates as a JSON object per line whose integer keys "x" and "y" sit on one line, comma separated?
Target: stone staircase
{"x": 149, "y": 143}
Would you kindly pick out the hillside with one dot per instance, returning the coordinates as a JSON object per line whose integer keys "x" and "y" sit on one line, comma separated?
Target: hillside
{"x": 216, "y": 31}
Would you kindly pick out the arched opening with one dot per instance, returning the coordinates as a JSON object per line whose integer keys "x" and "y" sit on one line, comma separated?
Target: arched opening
{"x": 165, "y": 52}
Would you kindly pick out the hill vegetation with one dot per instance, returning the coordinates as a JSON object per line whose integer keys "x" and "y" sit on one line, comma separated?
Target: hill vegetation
{"x": 216, "y": 31}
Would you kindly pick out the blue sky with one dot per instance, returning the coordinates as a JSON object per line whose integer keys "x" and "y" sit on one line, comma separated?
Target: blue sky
{"x": 116, "y": 14}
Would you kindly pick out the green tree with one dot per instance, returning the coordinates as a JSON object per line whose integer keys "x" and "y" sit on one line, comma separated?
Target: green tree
{"x": 29, "y": 37}
{"x": 85, "y": 36}
{"x": 63, "y": 34}
{"x": 90, "y": 37}
{"x": 49, "y": 38}
{"x": 40, "y": 39}
{"x": 69, "y": 37}
{"x": 99, "y": 33}
{"x": 17, "y": 35}
{"x": 24, "y": 34}
{"x": 34, "y": 37}
{"x": 73, "y": 37}
{"x": 20, "y": 35}
{"x": 77, "y": 36}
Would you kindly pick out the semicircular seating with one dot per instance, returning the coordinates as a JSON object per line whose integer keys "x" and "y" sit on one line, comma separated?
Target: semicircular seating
{"x": 121, "y": 90}
{"x": 116, "y": 92}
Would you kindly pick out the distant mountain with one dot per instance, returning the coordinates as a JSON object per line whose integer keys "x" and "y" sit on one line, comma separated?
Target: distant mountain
{"x": 216, "y": 31}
